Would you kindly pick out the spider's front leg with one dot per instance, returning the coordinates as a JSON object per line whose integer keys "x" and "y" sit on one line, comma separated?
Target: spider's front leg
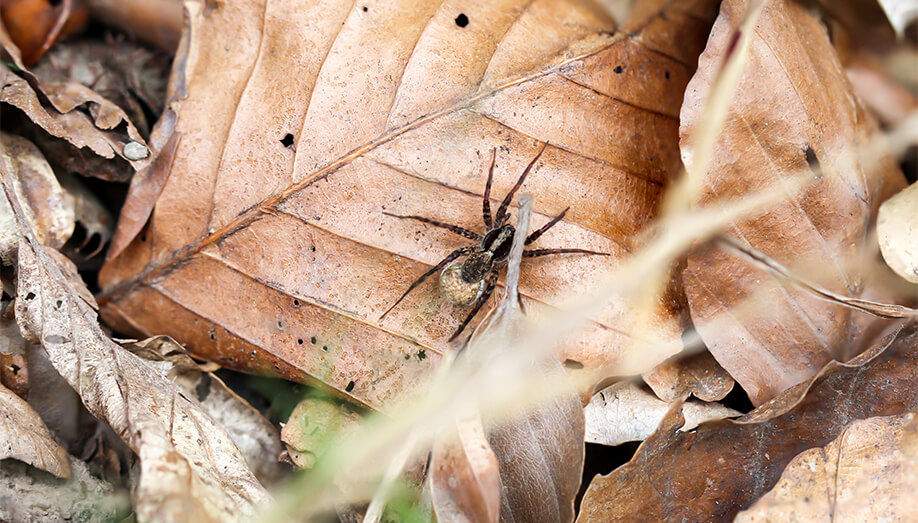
{"x": 490, "y": 282}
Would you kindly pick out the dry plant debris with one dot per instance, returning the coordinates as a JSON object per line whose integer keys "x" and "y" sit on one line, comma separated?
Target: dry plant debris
{"x": 257, "y": 230}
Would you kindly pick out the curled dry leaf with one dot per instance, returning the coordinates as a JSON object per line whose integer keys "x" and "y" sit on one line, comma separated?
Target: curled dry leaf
{"x": 722, "y": 467}
{"x": 158, "y": 22}
{"x": 868, "y": 473}
{"x": 92, "y": 215}
{"x": 49, "y": 212}
{"x": 189, "y": 464}
{"x": 313, "y": 424}
{"x": 67, "y": 110}
{"x": 27, "y": 496}
{"x": 897, "y": 231}
{"x": 255, "y": 436}
{"x": 464, "y": 475}
{"x": 288, "y": 160}
{"x": 792, "y": 108}
{"x": 698, "y": 374}
{"x": 627, "y": 412}
{"x": 25, "y": 437}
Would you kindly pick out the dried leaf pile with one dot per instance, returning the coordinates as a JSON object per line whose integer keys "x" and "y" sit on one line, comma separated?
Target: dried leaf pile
{"x": 282, "y": 172}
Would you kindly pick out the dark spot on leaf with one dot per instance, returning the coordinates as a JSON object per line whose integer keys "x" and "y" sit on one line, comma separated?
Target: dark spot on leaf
{"x": 813, "y": 162}
{"x": 30, "y": 296}
{"x": 573, "y": 364}
{"x": 365, "y": 9}
{"x": 462, "y": 20}
{"x": 407, "y": 357}
{"x": 58, "y": 304}
{"x": 280, "y": 325}
{"x": 213, "y": 335}
{"x": 143, "y": 237}
{"x": 253, "y": 353}
{"x": 666, "y": 74}
{"x": 313, "y": 248}
{"x": 299, "y": 341}
{"x": 350, "y": 386}
{"x": 312, "y": 340}
{"x": 619, "y": 69}
{"x": 325, "y": 348}
{"x": 287, "y": 141}
{"x": 296, "y": 303}
{"x": 422, "y": 354}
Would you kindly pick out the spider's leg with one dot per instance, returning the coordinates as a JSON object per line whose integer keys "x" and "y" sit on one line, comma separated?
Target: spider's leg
{"x": 502, "y": 214}
{"x": 452, "y": 256}
{"x": 486, "y": 201}
{"x": 545, "y": 252}
{"x": 455, "y": 229}
{"x": 535, "y": 236}
{"x": 489, "y": 288}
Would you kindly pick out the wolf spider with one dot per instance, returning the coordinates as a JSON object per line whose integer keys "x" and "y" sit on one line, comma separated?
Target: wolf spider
{"x": 473, "y": 279}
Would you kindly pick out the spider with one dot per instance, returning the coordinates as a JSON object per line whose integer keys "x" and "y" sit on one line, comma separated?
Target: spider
{"x": 472, "y": 280}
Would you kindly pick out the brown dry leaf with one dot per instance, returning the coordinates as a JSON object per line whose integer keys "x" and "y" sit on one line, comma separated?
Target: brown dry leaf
{"x": 464, "y": 475}
{"x": 49, "y": 212}
{"x": 698, "y": 374}
{"x": 27, "y": 496}
{"x": 92, "y": 215}
{"x": 25, "y": 437}
{"x": 626, "y": 412}
{"x": 897, "y": 231}
{"x": 793, "y": 106}
{"x": 14, "y": 369}
{"x": 189, "y": 466}
{"x": 868, "y": 473}
{"x": 156, "y": 21}
{"x": 255, "y": 436}
{"x": 70, "y": 111}
{"x": 268, "y": 249}
{"x": 722, "y": 467}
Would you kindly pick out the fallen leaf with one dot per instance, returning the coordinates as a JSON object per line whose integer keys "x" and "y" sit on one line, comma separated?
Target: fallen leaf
{"x": 396, "y": 107}
{"x": 792, "y": 108}
{"x": 189, "y": 466}
{"x": 722, "y": 467}
{"x": 48, "y": 210}
{"x": 897, "y": 232}
{"x": 465, "y": 475}
{"x": 36, "y": 24}
{"x": 255, "y": 436}
{"x": 867, "y": 473}
{"x": 312, "y": 425}
{"x": 27, "y": 496}
{"x": 68, "y": 110}
{"x": 25, "y": 437}
{"x": 626, "y": 412}
{"x": 14, "y": 370}
{"x": 92, "y": 215}
{"x": 158, "y": 21}
{"x": 699, "y": 375}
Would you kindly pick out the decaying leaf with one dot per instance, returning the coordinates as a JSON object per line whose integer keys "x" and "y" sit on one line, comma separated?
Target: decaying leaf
{"x": 158, "y": 22}
{"x": 626, "y": 412}
{"x": 869, "y": 472}
{"x": 25, "y": 437}
{"x": 464, "y": 475}
{"x": 699, "y": 375}
{"x": 268, "y": 249}
{"x": 14, "y": 370}
{"x": 255, "y": 436}
{"x": 793, "y": 108}
{"x": 722, "y": 467}
{"x": 311, "y": 427}
{"x": 92, "y": 215}
{"x": 897, "y": 231}
{"x": 189, "y": 466}
{"x": 68, "y": 110}
{"x": 27, "y": 496}
{"x": 49, "y": 212}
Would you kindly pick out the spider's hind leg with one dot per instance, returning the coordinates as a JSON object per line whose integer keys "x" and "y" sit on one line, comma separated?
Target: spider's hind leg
{"x": 489, "y": 288}
{"x": 452, "y": 256}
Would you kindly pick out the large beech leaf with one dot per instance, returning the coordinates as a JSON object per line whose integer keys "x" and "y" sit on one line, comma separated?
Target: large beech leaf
{"x": 722, "y": 467}
{"x": 793, "y": 107}
{"x": 268, "y": 249}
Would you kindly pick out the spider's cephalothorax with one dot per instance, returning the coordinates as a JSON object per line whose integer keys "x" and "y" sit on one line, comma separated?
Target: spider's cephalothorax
{"x": 472, "y": 279}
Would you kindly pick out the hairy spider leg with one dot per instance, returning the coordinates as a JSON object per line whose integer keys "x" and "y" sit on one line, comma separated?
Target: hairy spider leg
{"x": 502, "y": 213}
{"x": 535, "y": 236}
{"x": 452, "y": 256}
{"x": 545, "y": 252}
{"x": 489, "y": 288}
{"x": 455, "y": 229}
{"x": 486, "y": 201}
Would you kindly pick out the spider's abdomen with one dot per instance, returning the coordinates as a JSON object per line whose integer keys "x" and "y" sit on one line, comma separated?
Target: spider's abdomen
{"x": 454, "y": 288}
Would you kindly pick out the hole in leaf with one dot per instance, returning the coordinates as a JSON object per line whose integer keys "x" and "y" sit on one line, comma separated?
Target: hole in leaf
{"x": 813, "y": 162}
{"x": 296, "y": 303}
{"x": 619, "y": 69}
{"x": 312, "y": 340}
{"x": 365, "y": 9}
{"x": 666, "y": 74}
{"x": 350, "y": 386}
{"x": 573, "y": 364}
{"x": 299, "y": 341}
{"x": 287, "y": 141}
{"x": 325, "y": 348}
{"x": 462, "y": 20}
{"x": 30, "y": 296}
